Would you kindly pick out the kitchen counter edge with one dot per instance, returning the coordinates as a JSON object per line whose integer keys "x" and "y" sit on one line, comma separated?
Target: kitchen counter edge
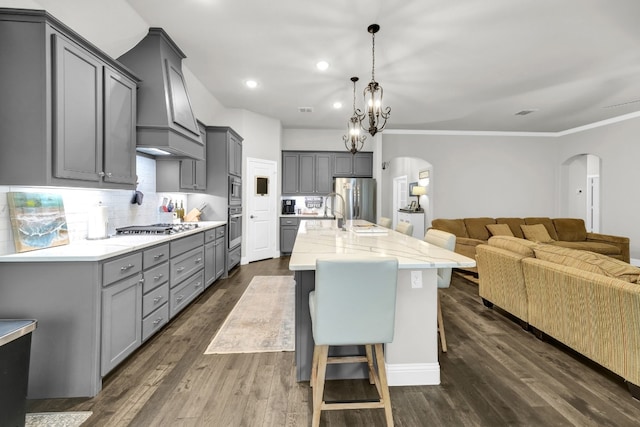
{"x": 98, "y": 250}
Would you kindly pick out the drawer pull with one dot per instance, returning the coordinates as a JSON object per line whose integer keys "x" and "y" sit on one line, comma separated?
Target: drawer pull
{"x": 158, "y": 320}
{"x": 180, "y": 269}
{"x": 179, "y": 298}
{"x": 158, "y": 277}
{"x": 158, "y": 256}
{"x": 141, "y": 281}
{"x": 157, "y": 299}
{"x": 198, "y": 261}
{"x": 126, "y": 267}
{"x": 198, "y": 285}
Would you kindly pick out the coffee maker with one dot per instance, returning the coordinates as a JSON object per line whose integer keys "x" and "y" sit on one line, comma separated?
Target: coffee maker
{"x": 288, "y": 206}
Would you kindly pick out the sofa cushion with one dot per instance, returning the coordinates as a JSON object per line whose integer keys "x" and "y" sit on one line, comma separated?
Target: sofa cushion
{"x": 476, "y": 227}
{"x": 536, "y": 233}
{"x": 570, "y": 229}
{"x": 514, "y": 224}
{"x": 589, "y": 261}
{"x": 499, "y": 230}
{"x": 513, "y": 244}
{"x": 548, "y": 224}
{"x": 453, "y": 226}
{"x": 597, "y": 247}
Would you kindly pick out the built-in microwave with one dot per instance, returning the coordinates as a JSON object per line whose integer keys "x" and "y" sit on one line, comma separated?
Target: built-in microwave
{"x": 235, "y": 190}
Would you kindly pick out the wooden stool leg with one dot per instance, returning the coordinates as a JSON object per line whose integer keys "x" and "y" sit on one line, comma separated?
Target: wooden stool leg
{"x": 318, "y": 388}
{"x": 314, "y": 367}
{"x": 384, "y": 386}
{"x": 443, "y": 339}
{"x": 369, "y": 350}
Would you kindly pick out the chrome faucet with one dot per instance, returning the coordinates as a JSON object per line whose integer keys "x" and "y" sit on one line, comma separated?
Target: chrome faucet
{"x": 333, "y": 209}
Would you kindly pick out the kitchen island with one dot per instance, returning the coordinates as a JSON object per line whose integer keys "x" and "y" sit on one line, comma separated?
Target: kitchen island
{"x": 412, "y": 357}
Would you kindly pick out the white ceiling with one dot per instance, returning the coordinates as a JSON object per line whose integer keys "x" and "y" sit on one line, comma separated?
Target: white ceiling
{"x": 443, "y": 64}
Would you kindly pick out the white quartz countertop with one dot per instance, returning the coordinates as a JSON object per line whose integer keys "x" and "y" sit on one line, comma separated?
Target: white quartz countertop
{"x": 322, "y": 239}
{"x": 97, "y": 250}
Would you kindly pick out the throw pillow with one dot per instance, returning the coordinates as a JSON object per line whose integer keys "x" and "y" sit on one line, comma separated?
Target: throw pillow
{"x": 499, "y": 230}
{"x": 537, "y": 233}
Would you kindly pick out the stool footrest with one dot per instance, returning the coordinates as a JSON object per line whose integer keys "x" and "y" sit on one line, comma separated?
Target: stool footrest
{"x": 346, "y": 359}
{"x": 338, "y": 405}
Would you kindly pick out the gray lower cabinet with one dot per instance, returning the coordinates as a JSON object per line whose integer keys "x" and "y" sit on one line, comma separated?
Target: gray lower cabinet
{"x": 72, "y": 120}
{"x": 288, "y": 232}
{"x": 121, "y": 310}
{"x": 186, "y": 271}
{"x": 214, "y": 254}
{"x": 155, "y": 290}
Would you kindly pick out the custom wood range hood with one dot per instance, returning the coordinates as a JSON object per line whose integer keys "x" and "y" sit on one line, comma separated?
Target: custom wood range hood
{"x": 165, "y": 118}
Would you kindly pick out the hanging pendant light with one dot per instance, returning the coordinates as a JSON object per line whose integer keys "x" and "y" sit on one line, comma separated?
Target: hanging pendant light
{"x": 353, "y": 141}
{"x": 377, "y": 115}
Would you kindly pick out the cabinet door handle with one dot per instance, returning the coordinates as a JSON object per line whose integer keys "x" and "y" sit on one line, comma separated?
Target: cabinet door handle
{"x": 179, "y": 269}
{"x": 156, "y": 299}
{"x": 158, "y": 277}
{"x": 180, "y": 298}
{"x": 141, "y": 281}
{"x": 199, "y": 284}
{"x": 158, "y": 256}
{"x": 158, "y": 320}
{"x": 101, "y": 173}
{"x": 109, "y": 174}
{"x": 198, "y": 261}
{"x": 126, "y": 267}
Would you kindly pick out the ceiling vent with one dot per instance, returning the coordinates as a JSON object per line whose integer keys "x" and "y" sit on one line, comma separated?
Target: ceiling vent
{"x": 305, "y": 109}
{"x": 525, "y": 112}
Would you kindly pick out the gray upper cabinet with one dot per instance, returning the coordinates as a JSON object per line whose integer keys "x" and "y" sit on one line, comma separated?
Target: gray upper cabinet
{"x": 312, "y": 172}
{"x": 68, "y": 110}
{"x": 224, "y": 158}
{"x": 234, "y": 155}
{"x": 350, "y": 165}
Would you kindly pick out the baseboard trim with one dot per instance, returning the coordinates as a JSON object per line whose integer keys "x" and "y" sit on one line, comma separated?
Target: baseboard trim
{"x": 406, "y": 374}
{"x": 635, "y": 261}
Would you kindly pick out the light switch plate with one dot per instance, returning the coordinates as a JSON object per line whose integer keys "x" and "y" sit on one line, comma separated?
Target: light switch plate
{"x": 416, "y": 279}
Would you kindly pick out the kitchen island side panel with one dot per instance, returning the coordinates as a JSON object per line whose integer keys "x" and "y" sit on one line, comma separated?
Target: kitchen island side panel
{"x": 65, "y": 300}
{"x": 305, "y": 283}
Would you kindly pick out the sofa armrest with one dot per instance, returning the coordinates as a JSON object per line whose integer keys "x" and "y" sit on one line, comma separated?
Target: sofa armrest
{"x": 619, "y": 241}
{"x": 467, "y": 246}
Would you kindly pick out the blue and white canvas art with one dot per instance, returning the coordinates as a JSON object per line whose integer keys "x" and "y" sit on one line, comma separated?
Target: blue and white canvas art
{"x": 38, "y": 220}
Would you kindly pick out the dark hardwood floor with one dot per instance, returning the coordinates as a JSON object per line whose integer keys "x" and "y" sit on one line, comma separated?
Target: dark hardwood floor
{"x": 494, "y": 374}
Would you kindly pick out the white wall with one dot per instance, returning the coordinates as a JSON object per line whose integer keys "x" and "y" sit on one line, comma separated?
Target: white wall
{"x": 617, "y": 146}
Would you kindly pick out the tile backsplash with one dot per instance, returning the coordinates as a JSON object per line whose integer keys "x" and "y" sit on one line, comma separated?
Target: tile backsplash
{"x": 79, "y": 202}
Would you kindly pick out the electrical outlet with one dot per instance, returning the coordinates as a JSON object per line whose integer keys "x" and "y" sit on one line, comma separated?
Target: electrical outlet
{"x": 416, "y": 279}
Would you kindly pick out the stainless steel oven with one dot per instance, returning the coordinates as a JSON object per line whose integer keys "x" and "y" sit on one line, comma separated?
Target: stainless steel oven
{"x": 235, "y": 190}
{"x": 235, "y": 226}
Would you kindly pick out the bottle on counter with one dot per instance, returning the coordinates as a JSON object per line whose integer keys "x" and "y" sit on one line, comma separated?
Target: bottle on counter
{"x": 170, "y": 206}
{"x": 181, "y": 212}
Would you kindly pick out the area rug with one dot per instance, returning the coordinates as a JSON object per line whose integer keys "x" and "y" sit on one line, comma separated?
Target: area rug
{"x": 261, "y": 321}
{"x": 57, "y": 419}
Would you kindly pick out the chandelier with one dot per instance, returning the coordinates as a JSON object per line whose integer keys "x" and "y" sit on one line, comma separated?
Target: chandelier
{"x": 376, "y": 114}
{"x": 353, "y": 141}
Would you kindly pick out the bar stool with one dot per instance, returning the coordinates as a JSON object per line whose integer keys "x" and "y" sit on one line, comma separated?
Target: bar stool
{"x": 447, "y": 241}
{"x": 354, "y": 303}
{"x": 405, "y": 227}
{"x": 385, "y": 222}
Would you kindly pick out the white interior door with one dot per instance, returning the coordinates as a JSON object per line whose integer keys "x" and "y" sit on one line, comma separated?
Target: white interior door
{"x": 261, "y": 214}
{"x": 400, "y": 196}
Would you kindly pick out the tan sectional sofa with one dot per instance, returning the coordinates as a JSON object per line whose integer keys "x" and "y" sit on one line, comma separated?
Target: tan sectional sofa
{"x": 587, "y": 301}
{"x": 565, "y": 232}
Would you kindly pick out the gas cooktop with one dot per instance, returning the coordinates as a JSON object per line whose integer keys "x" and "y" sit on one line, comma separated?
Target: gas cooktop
{"x": 157, "y": 228}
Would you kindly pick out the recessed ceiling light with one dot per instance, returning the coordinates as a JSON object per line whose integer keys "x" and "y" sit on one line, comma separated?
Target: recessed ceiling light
{"x": 251, "y": 84}
{"x": 337, "y": 105}
{"x": 322, "y": 65}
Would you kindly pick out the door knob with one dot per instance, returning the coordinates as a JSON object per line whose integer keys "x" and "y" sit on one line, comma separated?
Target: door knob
{"x": 251, "y": 217}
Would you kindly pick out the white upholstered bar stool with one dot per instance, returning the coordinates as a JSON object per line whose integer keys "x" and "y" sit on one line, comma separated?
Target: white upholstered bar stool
{"x": 447, "y": 241}
{"x": 405, "y": 228}
{"x": 354, "y": 303}
{"x": 385, "y": 222}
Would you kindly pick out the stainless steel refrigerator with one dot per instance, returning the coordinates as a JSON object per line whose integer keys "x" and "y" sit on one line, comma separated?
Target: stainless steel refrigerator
{"x": 359, "y": 196}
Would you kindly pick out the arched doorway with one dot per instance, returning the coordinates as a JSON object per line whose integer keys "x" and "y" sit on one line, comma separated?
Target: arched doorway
{"x": 580, "y": 190}
{"x": 396, "y": 175}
